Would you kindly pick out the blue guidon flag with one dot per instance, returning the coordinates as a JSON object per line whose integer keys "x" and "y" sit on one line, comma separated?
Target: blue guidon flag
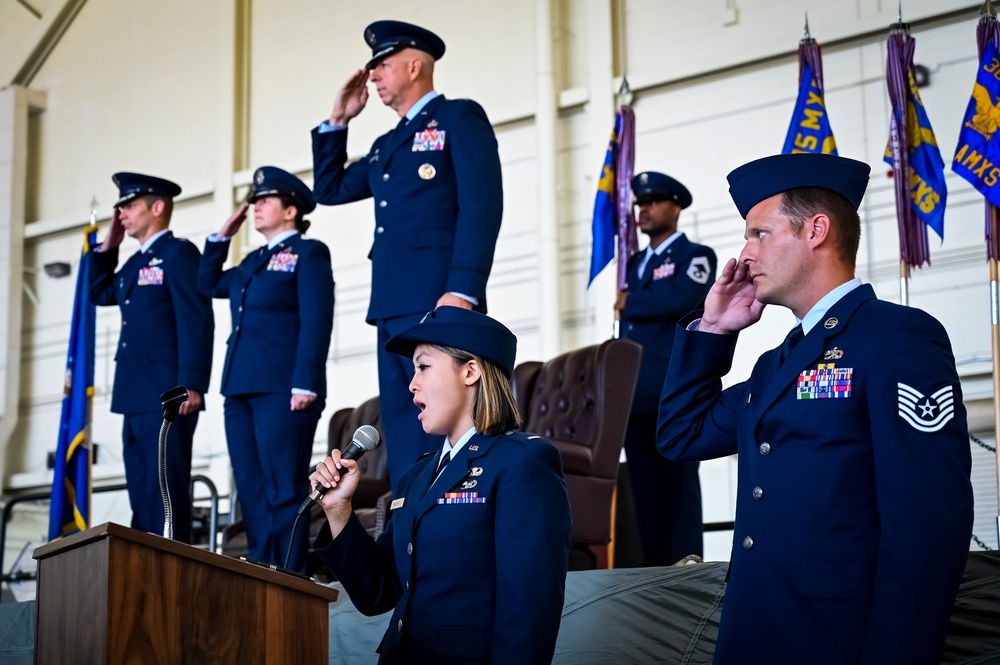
{"x": 928, "y": 193}
{"x": 926, "y": 413}
{"x": 810, "y": 129}
{"x": 977, "y": 157}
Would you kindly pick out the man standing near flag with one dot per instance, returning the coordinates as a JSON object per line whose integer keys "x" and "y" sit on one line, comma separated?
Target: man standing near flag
{"x": 165, "y": 341}
{"x": 854, "y": 507}
{"x": 438, "y": 197}
{"x": 666, "y": 281}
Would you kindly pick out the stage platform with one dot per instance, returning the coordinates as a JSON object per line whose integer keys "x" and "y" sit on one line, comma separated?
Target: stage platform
{"x": 628, "y": 617}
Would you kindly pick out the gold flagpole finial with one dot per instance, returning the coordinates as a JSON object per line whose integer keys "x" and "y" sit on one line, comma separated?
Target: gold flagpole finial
{"x": 987, "y": 10}
{"x": 806, "y": 34}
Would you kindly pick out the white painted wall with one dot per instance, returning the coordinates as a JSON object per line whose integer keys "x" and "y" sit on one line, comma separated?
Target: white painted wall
{"x": 136, "y": 86}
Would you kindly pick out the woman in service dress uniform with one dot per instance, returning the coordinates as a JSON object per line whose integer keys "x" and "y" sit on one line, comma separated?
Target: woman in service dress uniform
{"x": 274, "y": 376}
{"x": 473, "y": 561}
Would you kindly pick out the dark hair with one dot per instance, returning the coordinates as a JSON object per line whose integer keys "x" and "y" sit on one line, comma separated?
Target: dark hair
{"x": 803, "y": 202}
{"x": 301, "y": 224}
{"x": 494, "y": 409}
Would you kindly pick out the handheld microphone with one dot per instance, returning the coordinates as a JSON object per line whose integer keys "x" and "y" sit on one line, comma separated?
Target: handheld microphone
{"x": 365, "y": 439}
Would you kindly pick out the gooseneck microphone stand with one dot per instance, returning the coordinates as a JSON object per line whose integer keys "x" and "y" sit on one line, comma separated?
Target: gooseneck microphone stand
{"x": 171, "y": 402}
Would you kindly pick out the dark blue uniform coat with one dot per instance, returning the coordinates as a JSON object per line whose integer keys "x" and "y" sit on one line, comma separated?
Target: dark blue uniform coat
{"x": 437, "y": 211}
{"x": 167, "y": 328}
{"x": 281, "y": 301}
{"x": 854, "y": 514}
{"x": 165, "y": 341}
{"x": 667, "y": 495}
{"x": 438, "y": 202}
{"x": 282, "y": 319}
{"x": 673, "y": 283}
{"x": 470, "y": 582}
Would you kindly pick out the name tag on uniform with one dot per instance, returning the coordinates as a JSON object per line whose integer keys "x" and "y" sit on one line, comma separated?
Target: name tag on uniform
{"x": 283, "y": 262}
{"x": 151, "y": 276}
{"x": 397, "y": 503}
{"x": 429, "y": 139}
{"x": 825, "y": 382}
{"x": 461, "y": 497}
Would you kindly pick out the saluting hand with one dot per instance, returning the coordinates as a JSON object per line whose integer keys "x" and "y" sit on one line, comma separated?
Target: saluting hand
{"x": 115, "y": 234}
{"x": 341, "y": 484}
{"x": 234, "y": 222}
{"x": 732, "y": 303}
{"x": 351, "y": 99}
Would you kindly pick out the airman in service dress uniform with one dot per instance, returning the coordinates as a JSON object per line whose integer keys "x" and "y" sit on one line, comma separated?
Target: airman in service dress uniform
{"x": 666, "y": 281}
{"x": 438, "y": 194}
{"x": 274, "y": 376}
{"x": 854, "y": 507}
{"x": 165, "y": 341}
{"x": 473, "y": 561}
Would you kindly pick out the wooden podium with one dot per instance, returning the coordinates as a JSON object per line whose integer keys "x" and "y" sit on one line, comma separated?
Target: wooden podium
{"x": 113, "y": 595}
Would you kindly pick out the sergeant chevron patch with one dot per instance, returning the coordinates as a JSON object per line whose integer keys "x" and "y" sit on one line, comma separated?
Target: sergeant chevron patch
{"x": 926, "y": 413}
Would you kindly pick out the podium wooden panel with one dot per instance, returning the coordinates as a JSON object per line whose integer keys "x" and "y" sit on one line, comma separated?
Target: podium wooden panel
{"x": 113, "y": 595}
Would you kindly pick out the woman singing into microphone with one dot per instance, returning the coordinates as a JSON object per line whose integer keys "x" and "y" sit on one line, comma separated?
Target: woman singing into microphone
{"x": 474, "y": 558}
{"x": 274, "y": 376}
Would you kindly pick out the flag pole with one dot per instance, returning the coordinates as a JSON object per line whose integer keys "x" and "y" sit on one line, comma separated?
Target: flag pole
{"x": 88, "y": 437}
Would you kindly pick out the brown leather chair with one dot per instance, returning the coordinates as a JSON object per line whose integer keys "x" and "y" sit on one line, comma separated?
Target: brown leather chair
{"x": 580, "y": 402}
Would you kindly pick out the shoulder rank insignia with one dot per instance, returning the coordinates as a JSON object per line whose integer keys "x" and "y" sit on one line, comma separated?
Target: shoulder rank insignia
{"x": 699, "y": 271}
{"x": 926, "y": 413}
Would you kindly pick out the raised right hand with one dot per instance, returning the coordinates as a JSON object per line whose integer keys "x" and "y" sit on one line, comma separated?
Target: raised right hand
{"x": 351, "y": 99}
{"x": 234, "y": 222}
{"x": 115, "y": 234}
{"x": 340, "y": 486}
{"x": 732, "y": 303}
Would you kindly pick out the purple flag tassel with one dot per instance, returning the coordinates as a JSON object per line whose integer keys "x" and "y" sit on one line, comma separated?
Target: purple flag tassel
{"x": 913, "y": 247}
{"x": 628, "y": 243}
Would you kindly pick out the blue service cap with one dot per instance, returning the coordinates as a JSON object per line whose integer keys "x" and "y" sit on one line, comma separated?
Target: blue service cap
{"x": 133, "y": 185}
{"x": 272, "y": 181}
{"x": 763, "y": 178}
{"x": 653, "y": 186}
{"x": 462, "y": 329}
{"x": 388, "y": 37}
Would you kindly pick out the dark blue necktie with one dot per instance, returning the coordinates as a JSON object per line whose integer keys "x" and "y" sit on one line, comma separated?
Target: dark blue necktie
{"x": 794, "y": 336}
{"x": 442, "y": 464}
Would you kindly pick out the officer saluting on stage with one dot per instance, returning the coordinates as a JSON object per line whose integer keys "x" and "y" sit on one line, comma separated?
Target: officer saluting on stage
{"x": 438, "y": 197}
{"x": 274, "y": 376}
{"x": 165, "y": 341}
{"x": 854, "y": 508}
{"x": 666, "y": 281}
